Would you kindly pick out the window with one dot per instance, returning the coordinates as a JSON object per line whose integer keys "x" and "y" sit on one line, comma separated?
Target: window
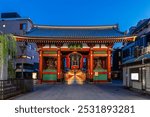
{"x": 135, "y": 74}
{"x": 126, "y": 53}
{"x": 23, "y": 26}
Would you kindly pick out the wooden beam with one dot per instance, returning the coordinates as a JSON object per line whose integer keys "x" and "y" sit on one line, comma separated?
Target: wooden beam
{"x": 100, "y": 55}
{"x": 72, "y": 50}
{"x": 49, "y": 49}
{"x": 99, "y": 49}
{"x": 50, "y": 55}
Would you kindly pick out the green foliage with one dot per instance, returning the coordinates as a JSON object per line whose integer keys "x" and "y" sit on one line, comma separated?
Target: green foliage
{"x": 8, "y": 50}
{"x": 11, "y": 70}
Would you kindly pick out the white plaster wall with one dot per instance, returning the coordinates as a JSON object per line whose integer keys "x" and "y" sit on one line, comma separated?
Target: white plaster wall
{"x": 53, "y": 46}
{"x": 96, "y": 46}
{"x": 85, "y": 45}
{"x": 103, "y": 46}
{"x": 47, "y": 46}
{"x": 136, "y": 85}
{"x": 128, "y": 77}
{"x": 124, "y": 77}
{"x": 148, "y": 78}
{"x": 65, "y": 45}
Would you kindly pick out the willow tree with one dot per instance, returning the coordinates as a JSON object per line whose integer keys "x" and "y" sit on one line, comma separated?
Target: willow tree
{"x": 8, "y": 51}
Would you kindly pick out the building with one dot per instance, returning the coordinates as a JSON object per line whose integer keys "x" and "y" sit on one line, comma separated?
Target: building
{"x": 30, "y": 59}
{"x": 7, "y": 57}
{"x": 13, "y": 23}
{"x": 116, "y": 63}
{"x": 136, "y": 58}
{"x": 75, "y": 51}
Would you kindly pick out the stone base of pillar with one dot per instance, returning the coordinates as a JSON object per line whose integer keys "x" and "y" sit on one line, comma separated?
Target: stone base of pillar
{"x": 60, "y": 80}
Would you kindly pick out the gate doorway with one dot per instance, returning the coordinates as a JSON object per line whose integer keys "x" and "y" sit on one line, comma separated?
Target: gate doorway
{"x": 75, "y": 65}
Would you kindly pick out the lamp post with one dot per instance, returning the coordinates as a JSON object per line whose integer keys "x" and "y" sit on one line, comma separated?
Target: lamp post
{"x": 22, "y": 48}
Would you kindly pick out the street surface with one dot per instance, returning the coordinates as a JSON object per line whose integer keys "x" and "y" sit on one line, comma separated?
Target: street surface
{"x": 88, "y": 91}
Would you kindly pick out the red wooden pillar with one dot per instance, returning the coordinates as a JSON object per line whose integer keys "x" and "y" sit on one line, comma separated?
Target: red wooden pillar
{"x": 59, "y": 64}
{"x": 109, "y": 64}
{"x": 89, "y": 66}
{"x": 91, "y": 63}
{"x": 40, "y": 66}
{"x": 81, "y": 62}
{"x": 68, "y": 61}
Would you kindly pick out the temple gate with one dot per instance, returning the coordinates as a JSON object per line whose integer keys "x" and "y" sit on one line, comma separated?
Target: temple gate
{"x": 85, "y": 50}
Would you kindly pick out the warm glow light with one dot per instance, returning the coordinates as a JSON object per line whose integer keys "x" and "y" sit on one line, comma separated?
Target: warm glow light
{"x": 34, "y": 75}
{"x": 4, "y": 25}
{"x": 75, "y": 76}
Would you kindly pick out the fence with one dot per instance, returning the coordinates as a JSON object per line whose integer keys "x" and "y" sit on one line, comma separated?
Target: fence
{"x": 13, "y": 87}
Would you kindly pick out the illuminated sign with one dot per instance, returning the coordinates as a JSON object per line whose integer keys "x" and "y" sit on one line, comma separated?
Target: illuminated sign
{"x": 34, "y": 75}
{"x": 134, "y": 76}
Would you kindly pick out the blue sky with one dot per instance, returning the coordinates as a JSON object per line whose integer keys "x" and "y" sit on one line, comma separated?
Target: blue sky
{"x": 80, "y": 12}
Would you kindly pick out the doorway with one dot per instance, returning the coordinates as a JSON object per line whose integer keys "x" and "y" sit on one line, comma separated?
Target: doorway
{"x": 75, "y": 65}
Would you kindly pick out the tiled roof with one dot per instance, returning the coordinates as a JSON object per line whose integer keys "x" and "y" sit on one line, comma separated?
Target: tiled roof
{"x": 145, "y": 56}
{"x": 129, "y": 61}
{"x": 138, "y": 28}
{"x": 140, "y": 58}
{"x": 75, "y": 31}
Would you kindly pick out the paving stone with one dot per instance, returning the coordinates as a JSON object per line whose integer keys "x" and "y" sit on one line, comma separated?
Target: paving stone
{"x": 101, "y": 91}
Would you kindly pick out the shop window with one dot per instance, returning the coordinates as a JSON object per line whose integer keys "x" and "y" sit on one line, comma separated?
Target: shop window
{"x": 134, "y": 74}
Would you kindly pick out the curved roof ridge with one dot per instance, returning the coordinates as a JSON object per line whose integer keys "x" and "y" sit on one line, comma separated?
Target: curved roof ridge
{"x": 77, "y": 27}
{"x": 116, "y": 29}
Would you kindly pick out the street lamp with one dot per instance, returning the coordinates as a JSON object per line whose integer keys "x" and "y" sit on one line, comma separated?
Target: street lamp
{"x": 4, "y": 26}
{"x": 22, "y": 48}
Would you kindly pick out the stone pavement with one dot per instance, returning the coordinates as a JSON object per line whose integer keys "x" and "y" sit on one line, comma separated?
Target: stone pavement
{"x": 102, "y": 91}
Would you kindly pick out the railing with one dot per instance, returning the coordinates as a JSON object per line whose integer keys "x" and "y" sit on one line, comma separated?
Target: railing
{"x": 13, "y": 87}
